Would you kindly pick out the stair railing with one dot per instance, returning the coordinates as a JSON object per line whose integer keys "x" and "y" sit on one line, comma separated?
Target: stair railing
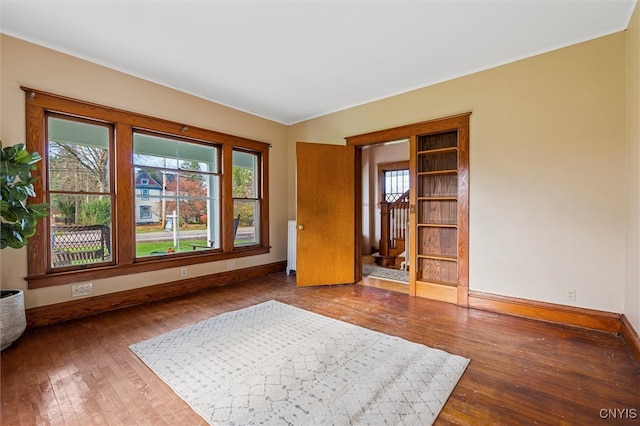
{"x": 393, "y": 219}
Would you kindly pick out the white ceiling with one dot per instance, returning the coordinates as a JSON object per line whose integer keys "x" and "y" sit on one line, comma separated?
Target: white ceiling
{"x": 289, "y": 61}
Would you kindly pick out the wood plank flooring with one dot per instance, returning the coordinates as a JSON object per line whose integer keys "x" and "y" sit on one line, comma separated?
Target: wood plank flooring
{"x": 81, "y": 372}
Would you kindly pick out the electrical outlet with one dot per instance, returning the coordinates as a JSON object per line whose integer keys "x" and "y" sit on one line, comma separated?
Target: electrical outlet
{"x": 570, "y": 295}
{"x": 183, "y": 272}
{"x": 81, "y": 289}
{"x": 231, "y": 264}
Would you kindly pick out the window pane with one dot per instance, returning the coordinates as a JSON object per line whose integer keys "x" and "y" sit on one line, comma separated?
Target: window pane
{"x": 153, "y": 151}
{"x": 396, "y": 183}
{"x": 186, "y": 224}
{"x": 159, "y": 152}
{"x": 78, "y": 156}
{"x": 190, "y": 185}
{"x": 178, "y": 235}
{"x": 80, "y": 229}
{"x": 198, "y": 157}
{"x": 247, "y": 232}
{"x": 245, "y": 167}
{"x": 79, "y": 169}
{"x": 177, "y": 199}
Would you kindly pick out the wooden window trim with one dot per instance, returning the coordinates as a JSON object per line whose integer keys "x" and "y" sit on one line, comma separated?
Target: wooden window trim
{"x": 39, "y": 274}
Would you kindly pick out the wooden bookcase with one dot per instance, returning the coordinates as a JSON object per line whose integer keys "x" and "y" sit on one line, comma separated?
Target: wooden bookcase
{"x": 441, "y": 215}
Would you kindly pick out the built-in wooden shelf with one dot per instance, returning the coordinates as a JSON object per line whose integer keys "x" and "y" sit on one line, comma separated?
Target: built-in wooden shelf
{"x": 438, "y": 257}
{"x": 438, "y": 172}
{"x": 442, "y": 198}
{"x": 438, "y": 150}
{"x": 441, "y": 206}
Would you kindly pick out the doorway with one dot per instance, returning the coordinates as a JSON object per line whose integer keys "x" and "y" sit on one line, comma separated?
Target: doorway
{"x": 438, "y": 230}
{"x": 385, "y": 179}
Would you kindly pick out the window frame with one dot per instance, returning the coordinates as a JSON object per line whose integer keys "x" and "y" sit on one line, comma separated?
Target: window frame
{"x": 177, "y": 170}
{"x": 388, "y": 167}
{"x": 257, "y": 198}
{"x": 57, "y": 191}
{"x": 38, "y": 104}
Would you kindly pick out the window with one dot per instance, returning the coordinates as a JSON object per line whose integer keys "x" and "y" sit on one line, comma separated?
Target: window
{"x": 393, "y": 181}
{"x": 131, "y": 193}
{"x": 186, "y": 198}
{"x": 145, "y": 212}
{"x": 79, "y": 189}
{"x": 246, "y": 197}
{"x": 396, "y": 183}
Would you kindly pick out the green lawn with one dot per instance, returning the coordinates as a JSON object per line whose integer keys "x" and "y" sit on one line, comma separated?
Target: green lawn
{"x": 158, "y": 247}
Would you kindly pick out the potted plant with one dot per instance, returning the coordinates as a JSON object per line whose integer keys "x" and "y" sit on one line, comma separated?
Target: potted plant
{"x": 17, "y": 224}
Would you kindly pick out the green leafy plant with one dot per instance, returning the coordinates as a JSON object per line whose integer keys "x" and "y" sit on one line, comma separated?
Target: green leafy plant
{"x": 96, "y": 212}
{"x": 18, "y": 218}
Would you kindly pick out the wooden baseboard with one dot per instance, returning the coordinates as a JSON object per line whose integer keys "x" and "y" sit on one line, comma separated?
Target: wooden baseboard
{"x": 58, "y": 312}
{"x": 561, "y": 314}
{"x": 630, "y": 336}
{"x": 443, "y": 293}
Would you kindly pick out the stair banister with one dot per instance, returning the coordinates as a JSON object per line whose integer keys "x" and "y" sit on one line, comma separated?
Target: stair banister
{"x": 391, "y": 232}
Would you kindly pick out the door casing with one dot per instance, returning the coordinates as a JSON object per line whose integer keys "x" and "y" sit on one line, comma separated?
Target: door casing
{"x": 410, "y": 131}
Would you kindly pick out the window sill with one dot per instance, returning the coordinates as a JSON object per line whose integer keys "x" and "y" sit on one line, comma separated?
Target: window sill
{"x": 144, "y": 265}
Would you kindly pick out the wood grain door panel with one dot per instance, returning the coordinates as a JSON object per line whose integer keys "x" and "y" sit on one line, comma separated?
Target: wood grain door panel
{"x": 326, "y": 241}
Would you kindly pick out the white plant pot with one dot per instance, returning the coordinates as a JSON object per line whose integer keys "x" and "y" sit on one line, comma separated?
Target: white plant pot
{"x": 13, "y": 321}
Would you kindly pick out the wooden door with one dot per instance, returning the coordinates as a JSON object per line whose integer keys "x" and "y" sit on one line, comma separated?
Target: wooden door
{"x": 325, "y": 214}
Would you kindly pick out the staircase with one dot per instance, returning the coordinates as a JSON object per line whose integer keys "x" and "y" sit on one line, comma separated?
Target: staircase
{"x": 393, "y": 219}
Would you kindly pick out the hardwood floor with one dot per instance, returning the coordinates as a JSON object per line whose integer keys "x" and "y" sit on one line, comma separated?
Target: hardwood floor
{"x": 81, "y": 372}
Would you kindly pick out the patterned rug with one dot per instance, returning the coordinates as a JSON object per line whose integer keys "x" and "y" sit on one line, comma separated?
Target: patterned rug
{"x": 385, "y": 273}
{"x": 277, "y": 364}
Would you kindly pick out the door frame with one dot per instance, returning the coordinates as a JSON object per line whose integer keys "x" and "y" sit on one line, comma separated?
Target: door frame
{"x": 411, "y": 131}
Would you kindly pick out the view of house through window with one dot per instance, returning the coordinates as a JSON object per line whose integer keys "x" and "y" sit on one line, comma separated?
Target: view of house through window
{"x": 80, "y": 191}
{"x": 177, "y": 195}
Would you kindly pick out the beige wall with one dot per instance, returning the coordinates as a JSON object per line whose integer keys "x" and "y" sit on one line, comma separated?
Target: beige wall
{"x": 632, "y": 290}
{"x": 25, "y": 64}
{"x": 547, "y": 169}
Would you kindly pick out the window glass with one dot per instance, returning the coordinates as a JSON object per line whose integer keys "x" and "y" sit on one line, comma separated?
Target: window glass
{"x": 246, "y": 198}
{"x": 395, "y": 184}
{"x": 177, "y": 187}
{"x": 80, "y": 195}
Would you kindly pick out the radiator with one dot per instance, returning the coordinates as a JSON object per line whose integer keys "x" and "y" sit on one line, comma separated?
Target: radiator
{"x": 291, "y": 247}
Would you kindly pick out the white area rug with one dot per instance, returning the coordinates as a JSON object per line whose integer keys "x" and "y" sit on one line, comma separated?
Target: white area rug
{"x": 276, "y": 364}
